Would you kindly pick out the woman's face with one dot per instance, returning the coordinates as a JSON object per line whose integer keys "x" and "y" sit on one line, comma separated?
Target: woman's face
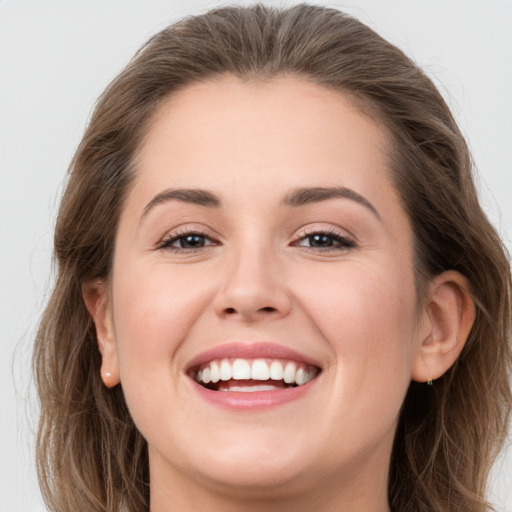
{"x": 263, "y": 234}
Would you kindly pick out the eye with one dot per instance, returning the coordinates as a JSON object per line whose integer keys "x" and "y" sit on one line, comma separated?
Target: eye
{"x": 187, "y": 241}
{"x": 325, "y": 241}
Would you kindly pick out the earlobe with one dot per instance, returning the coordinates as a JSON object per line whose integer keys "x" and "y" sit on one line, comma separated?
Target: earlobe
{"x": 450, "y": 313}
{"x": 96, "y": 299}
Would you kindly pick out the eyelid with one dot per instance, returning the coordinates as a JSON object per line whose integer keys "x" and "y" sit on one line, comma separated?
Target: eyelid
{"x": 347, "y": 242}
{"x": 184, "y": 231}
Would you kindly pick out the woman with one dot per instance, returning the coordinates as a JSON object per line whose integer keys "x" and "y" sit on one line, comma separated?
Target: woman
{"x": 277, "y": 289}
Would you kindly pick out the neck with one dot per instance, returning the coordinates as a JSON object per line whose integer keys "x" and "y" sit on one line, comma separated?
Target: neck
{"x": 361, "y": 491}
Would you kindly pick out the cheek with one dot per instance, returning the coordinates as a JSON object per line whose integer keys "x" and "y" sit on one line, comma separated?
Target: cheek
{"x": 368, "y": 316}
{"x": 369, "y": 321}
{"x": 154, "y": 311}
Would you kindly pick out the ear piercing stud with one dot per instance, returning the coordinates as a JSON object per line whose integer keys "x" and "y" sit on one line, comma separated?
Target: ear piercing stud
{"x": 107, "y": 379}
{"x": 429, "y": 382}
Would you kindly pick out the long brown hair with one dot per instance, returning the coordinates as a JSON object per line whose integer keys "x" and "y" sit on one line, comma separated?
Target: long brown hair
{"x": 90, "y": 455}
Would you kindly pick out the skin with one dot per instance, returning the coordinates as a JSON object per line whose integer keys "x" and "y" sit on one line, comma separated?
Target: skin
{"x": 259, "y": 277}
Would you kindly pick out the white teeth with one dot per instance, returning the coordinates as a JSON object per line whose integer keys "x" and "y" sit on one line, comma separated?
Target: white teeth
{"x": 288, "y": 374}
{"x": 206, "y": 375}
{"x": 245, "y": 389}
{"x": 241, "y": 370}
{"x": 258, "y": 369}
{"x": 226, "y": 371}
{"x": 276, "y": 370}
{"x": 215, "y": 371}
{"x": 300, "y": 376}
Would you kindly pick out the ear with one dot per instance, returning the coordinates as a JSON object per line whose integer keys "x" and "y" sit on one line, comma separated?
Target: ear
{"x": 96, "y": 299}
{"x": 447, "y": 321}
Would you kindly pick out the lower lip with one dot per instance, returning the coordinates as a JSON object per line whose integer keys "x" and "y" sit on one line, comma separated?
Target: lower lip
{"x": 253, "y": 400}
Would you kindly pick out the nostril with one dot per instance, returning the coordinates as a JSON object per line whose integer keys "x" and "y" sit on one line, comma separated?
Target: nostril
{"x": 269, "y": 309}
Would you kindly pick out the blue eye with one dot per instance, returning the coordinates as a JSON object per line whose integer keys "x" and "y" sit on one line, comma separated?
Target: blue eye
{"x": 191, "y": 241}
{"x": 188, "y": 241}
{"x": 319, "y": 241}
{"x": 325, "y": 241}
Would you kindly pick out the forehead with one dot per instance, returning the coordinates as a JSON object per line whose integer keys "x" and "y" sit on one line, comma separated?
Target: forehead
{"x": 275, "y": 131}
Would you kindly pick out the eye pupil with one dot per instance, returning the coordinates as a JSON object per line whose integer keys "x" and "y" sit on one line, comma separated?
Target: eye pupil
{"x": 191, "y": 241}
{"x": 320, "y": 240}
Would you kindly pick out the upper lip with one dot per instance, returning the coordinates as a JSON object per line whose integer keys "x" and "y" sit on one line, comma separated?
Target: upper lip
{"x": 263, "y": 350}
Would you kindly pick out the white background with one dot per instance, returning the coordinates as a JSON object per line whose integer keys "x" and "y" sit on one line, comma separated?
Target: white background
{"x": 55, "y": 59}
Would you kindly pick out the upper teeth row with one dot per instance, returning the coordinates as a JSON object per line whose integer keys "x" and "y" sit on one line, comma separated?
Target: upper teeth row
{"x": 257, "y": 369}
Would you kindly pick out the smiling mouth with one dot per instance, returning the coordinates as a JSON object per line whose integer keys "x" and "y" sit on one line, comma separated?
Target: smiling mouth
{"x": 252, "y": 375}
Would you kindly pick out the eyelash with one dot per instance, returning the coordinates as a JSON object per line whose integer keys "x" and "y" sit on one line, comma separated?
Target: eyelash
{"x": 181, "y": 234}
{"x": 343, "y": 242}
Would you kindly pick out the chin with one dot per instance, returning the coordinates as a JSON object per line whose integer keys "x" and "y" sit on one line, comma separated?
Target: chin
{"x": 266, "y": 464}
{"x": 269, "y": 477}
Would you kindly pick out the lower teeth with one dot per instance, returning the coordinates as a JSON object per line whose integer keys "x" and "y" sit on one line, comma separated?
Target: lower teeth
{"x": 245, "y": 387}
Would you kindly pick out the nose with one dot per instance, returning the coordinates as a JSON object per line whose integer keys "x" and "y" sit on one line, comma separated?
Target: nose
{"x": 253, "y": 287}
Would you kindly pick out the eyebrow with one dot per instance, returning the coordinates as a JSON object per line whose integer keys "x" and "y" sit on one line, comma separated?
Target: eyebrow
{"x": 296, "y": 197}
{"x": 307, "y": 195}
{"x": 196, "y": 196}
